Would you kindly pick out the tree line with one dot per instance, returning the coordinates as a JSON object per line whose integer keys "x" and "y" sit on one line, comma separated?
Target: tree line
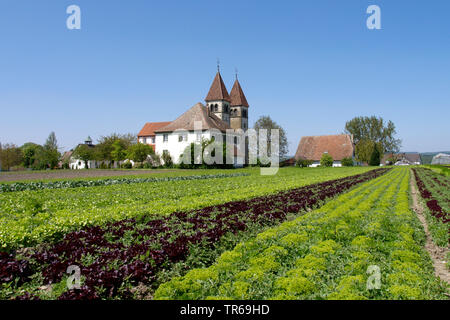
{"x": 30, "y": 155}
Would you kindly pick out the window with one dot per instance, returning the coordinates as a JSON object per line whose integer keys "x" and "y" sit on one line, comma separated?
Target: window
{"x": 235, "y": 140}
{"x": 244, "y": 113}
{"x": 182, "y": 137}
{"x": 165, "y": 137}
{"x": 216, "y": 108}
{"x": 152, "y": 139}
{"x": 199, "y": 136}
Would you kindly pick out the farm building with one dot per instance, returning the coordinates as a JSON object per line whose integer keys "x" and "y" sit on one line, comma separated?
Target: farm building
{"x": 412, "y": 158}
{"x": 441, "y": 158}
{"x": 338, "y": 146}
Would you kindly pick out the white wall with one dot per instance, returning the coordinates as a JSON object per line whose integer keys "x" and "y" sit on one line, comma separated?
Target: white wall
{"x": 317, "y": 163}
{"x": 175, "y": 147}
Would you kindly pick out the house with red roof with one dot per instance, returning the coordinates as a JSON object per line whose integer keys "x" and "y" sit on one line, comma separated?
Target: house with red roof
{"x": 338, "y": 146}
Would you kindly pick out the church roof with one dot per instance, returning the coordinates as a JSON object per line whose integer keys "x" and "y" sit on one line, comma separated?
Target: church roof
{"x": 150, "y": 127}
{"x": 197, "y": 113}
{"x": 218, "y": 91}
{"x": 338, "y": 146}
{"x": 237, "y": 95}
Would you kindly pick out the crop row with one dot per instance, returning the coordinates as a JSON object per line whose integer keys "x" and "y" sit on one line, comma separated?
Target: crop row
{"x": 365, "y": 244}
{"x": 435, "y": 191}
{"x": 120, "y": 255}
{"x": 23, "y": 186}
{"x": 31, "y": 217}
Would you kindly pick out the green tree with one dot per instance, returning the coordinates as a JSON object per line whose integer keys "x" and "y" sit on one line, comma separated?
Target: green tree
{"x": 105, "y": 148}
{"x": 139, "y": 152}
{"x": 167, "y": 159}
{"x": 376, "y": 130}
{"x": 265, "y": 122}
{"x": 30, "y": 153}
{"x": 375, "y": 157}
{"x": 50, "y": 151}
{"x": 364, "y": 149}
{"x": 10, "y": 156}
{"x": 84, "y": 153}
{"x": 326, "y": 160}
{"x": 118, "y": 152}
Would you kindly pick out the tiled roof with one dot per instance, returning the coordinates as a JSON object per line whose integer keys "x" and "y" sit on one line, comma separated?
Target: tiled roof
{"x": 150, "y": 127}
{"x": 197, "y": 113}
{"x": 218, "y": 91}
{"x": 237, "y": 95}
{"x": 410, "y": 157}
{"x": 337, "y": 146}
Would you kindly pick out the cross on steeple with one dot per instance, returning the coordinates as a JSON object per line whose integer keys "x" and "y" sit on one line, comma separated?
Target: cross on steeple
{"x": 218, "y": 65}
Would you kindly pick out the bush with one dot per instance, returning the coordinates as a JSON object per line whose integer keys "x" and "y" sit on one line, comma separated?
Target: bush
{"x": 347, "y": 162}
{"x": 167, "y": 159}
{"x": 326, "y": 160}
{"x": 375, "y": 157}
{"x": 127, "y": 165}
{"x": 303, "y": 163}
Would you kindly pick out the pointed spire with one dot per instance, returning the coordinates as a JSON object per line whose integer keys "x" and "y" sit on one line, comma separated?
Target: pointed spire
{"x": 218, "y": 91}
{"x": 237, "y": 95}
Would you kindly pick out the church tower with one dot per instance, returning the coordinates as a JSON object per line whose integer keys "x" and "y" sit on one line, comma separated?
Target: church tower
{"x": 239, "y": 108}
{"x": 218, "y": 100}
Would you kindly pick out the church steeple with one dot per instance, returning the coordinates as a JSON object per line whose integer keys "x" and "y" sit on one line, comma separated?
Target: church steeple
{"x": 218, "y": 100}
{"x": 239, "y": 107}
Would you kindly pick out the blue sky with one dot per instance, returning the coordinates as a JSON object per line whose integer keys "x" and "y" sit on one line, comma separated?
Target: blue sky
{"x": 311, "y": 65}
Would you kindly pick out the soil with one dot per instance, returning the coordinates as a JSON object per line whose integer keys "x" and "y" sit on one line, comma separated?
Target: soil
{"x": 70, "y": 174}
{"x": 438, "y": 254}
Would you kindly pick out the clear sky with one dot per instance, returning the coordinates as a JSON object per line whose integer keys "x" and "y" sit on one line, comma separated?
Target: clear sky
{"x": 311, "y": 65}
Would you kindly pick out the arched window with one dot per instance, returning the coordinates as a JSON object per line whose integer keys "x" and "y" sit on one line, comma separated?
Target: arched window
{"x": 216, "y": 108}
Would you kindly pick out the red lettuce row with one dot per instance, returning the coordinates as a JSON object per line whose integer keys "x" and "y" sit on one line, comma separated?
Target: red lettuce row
{"x": 432, "y": 204}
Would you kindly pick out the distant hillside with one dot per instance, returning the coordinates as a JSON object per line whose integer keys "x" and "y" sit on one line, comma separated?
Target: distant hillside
{"x": 426, "y": 157}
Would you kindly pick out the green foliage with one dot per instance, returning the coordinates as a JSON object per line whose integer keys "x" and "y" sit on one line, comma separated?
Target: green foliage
{"x": 375, "y": 157}
{"x": 265, "y": 122}
{"x": 139, "y": 152}
{"x": 167, "y": 159}
{"x": 364, "y": 150}
{"x": 376, "y": 130}
{"x": 85, "y": 153}
{"x": 303, "y": 163}
{"x": 31, "y": 153}
{"x": 10, "y": 156}
{"x": 50, "y": 155}
{"x": 347, "y": 162}
{"x": 188, "y": 159}
{"x": 127, "y": 165}
{"x": 326, "y": 160}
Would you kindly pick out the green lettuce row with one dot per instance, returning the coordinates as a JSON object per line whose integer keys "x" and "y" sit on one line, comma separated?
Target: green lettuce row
{"x": 330, "y": 253}
{"x": 25, "y": 186}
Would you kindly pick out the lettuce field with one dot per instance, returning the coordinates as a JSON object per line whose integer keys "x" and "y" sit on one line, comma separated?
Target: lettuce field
{"x": 311, "y": 233}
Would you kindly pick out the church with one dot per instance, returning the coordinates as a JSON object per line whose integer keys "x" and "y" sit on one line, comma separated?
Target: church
{"x": 222, "y": 111}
